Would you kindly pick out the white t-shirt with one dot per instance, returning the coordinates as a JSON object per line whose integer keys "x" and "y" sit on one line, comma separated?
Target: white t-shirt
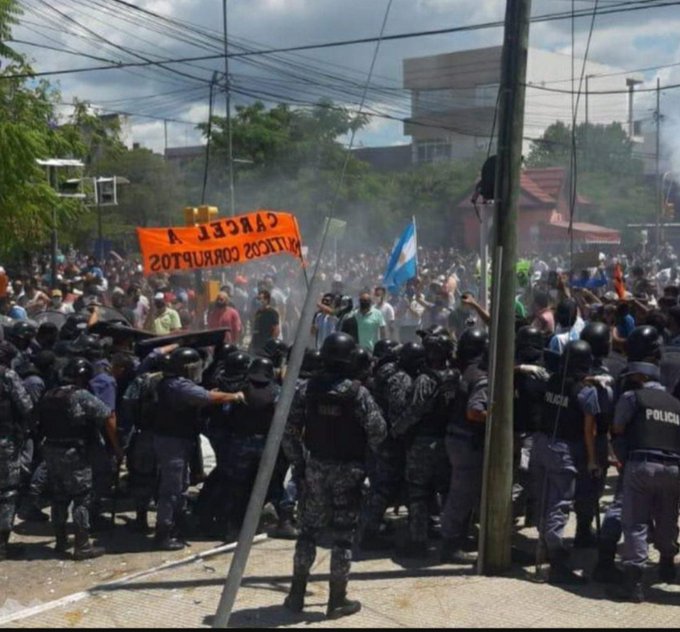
{"x": 387, "y": 312}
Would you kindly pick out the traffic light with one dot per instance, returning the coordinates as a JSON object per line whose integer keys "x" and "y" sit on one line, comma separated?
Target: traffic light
{"x": 207, "y": 214}
{"x": 190, "y": 216}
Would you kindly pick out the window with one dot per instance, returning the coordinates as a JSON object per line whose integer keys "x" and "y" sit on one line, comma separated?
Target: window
{"x": 435, "y": 150}
{"x": 486, "y": 95}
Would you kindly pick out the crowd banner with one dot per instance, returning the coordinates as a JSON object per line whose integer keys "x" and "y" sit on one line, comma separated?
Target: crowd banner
{"x": 220, "y": 243}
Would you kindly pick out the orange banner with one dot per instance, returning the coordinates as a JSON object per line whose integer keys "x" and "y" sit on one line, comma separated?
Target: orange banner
{"x": 221, "y": 243}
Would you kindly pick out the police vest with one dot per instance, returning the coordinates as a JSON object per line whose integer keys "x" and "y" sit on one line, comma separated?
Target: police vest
{"x": 656, "y": 423}
{"x": 8, "y": 420}
{"x": 458, "y": 423}
{"x": 57, "y": 420}
{"x": 561, "y": 413}
{"x": 669, "y": 367}
{"x": 528, "y": 402}
{"x": 332, "y": 429}
{"x": 255, "y": 416}
{"x": 140, "y": 401}
{"x": 434, "y": 422}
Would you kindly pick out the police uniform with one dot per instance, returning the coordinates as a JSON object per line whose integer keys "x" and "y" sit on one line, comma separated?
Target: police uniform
{"x": 249, "y": 423}
{"x": 139, "y": 408}
{"x": 103, "y": 386}
{"x": 15, "y": 409}
{"x": 529, "y": 384}
{"x": 650, "y": 420}
{"x": 423, "y": 423}
{"x": 334, "y": 420}
{"x": 176, "y": 431}
{"x": 392, "y": 389}
{"x": 70, "y": 420}
{"x": 465, "y": 451}
{"x": 557, "y": 458}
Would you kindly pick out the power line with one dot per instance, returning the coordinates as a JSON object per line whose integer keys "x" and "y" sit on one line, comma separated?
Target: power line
{"x": 620, "y": 8}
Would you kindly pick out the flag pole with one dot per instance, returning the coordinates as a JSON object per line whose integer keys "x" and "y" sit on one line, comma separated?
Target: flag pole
{"x": 415, "y": 238}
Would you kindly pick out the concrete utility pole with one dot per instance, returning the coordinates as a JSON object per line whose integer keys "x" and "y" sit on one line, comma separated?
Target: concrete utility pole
{"x": 496, "y": 506}
{"x": 657, "y": 157}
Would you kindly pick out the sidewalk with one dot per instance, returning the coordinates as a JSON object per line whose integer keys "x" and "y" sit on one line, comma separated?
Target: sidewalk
{"x": 394, "y": 594}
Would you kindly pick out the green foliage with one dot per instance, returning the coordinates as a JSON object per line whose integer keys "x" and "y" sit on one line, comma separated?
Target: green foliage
{"x": 9, "y": 16}
{"x": 607, "y": 172}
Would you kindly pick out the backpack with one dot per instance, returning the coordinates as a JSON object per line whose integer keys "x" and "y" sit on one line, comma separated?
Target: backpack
{"x": 140, "y": 400}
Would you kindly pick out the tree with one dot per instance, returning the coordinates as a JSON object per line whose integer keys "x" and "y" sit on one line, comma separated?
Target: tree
{"x": 28, "y": 131}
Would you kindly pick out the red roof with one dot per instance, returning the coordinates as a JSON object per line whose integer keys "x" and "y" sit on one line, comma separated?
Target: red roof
{"x": 549, "y": 179}
{"x": 583, "y": 231}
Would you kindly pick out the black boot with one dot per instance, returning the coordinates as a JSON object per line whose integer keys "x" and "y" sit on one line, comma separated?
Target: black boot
{"x": 667, "y": 571}
{"x": 414, "y": 548}
{"x": 632, "y": 589}
{"x": 84, "y": 549}
{"x": 453, "y": 552}
{"x": 4, "y": 540}
{"x": 295, "y": 601}
{"x": 164, "y": 541}
{"x": 285, "y": 529}
{"x": 560, "y": 573}
{"x": 338, "y": 604}
{"x": 61, "y": 545}
{"x": 141, "y": 523}
{"x": 605, "y": 570}
{"x": 372, "y": 540}
{"x": 30, "y": 512}
{"x": 585, "y": 538}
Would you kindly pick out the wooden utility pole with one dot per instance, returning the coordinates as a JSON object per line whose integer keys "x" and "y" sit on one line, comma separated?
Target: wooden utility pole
{"x": 496, "y": 506}
{"x": 657, "y": 158}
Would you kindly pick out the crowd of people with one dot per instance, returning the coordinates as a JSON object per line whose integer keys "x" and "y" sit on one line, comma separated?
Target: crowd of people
{"x": 390, "y": 408}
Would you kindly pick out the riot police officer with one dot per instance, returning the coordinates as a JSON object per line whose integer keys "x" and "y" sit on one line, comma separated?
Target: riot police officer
{"x": 249, "y": 423}
{"x": 648, "y": 419}
{"x": 559, "y": 453}
{"x": 229, "y": 377}
{"x": 22, "y": 335}
{"x": 15, "y": 410}
{"x": 334, "y": 419}
{"x": 530, "y": 381}
{"x": 392, "y": 387}
{"x": 424, "y": 421}
{"x": 176, "y": 432}
{"x": 70, "y": 419}
{"x": 465, "y": 444}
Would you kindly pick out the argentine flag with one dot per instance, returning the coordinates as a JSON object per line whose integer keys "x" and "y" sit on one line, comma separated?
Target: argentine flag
{"x": 402, "y": 263}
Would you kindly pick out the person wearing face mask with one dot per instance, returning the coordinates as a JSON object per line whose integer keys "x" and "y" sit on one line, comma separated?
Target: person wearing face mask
{"x": 57, "y": 303}
{"x": 167, "y": 319}
{"x": 223, "y": 314}
{"x": 370, "y": 322}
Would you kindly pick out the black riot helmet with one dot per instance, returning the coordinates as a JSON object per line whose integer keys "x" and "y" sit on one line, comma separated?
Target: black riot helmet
{"x": 88, "y": 346}
{"x": 438, "y": 349}
{"x": 276, "y": 350}
{"x": 337, "y": 351}
{"x": 7, "y": 353}
{"x": 529, "y": 343}
{"x": 432, "y": 330}
{"x": 643, "y": 344}
{"x": 77, "y": 371}
{"x": 411, "y": 358}
{"x": 384, "y": 347}
{"x": 48, "y": 334}
{"x": 311, "y": 363}
{"x": 361, "y": 363}
{"x": 22, "y": 333}
{"x": 577, "y": 358}
{"x": 598, "y": 336}
{"x": 184, "y": 362}
{"x": 236, "y": 364}
{"x": 75, "y": 325}
{"x": 472, "y": 344}
{"x": 261, "y": 371}
{"x": 226, "y": 350}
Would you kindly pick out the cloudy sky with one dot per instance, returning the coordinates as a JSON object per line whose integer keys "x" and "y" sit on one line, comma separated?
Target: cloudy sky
{"x": 110, "y": 31}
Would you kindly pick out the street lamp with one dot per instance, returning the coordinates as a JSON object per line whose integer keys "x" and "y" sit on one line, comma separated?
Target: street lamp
{"x": 66, "y": 189}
